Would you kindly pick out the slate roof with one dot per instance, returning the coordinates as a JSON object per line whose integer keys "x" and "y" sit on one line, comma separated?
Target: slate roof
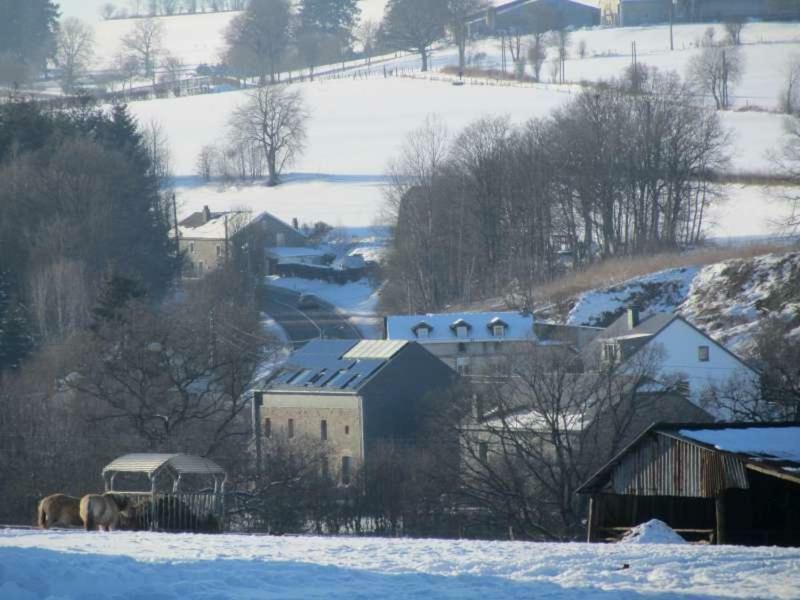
{"x": 334, "y": 365}
{"x": 519, "y": 327}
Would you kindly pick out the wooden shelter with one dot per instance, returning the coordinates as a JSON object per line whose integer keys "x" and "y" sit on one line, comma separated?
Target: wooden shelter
{"x": 736, "y": 483}
{"x": 170, "y": 492}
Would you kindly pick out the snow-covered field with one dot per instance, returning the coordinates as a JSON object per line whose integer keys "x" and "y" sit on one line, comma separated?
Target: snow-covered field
{"x": 94, "y": 566}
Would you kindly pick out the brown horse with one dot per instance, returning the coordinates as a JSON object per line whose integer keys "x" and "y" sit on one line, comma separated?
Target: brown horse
{"x": 59, "y": 510}
{"x": 102, "y": 511}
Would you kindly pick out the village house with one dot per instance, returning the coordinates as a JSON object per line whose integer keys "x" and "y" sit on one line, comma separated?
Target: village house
{"x": 681, "y": 354}
{"x": 204, "y": 237}
{"x": 527, "y": 16}
{"x": 481, "y": 343}
{"x": 352, "y": 395}
{"x": 732, "y": 483}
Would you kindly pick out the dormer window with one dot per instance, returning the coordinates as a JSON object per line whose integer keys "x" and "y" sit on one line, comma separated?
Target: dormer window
{"x": 461, "y": 328}
{"x": 498, "y": 327}
{"x": 422, "y": 330}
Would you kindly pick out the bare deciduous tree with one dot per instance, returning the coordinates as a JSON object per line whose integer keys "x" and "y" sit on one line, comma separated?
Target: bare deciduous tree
{"x": 560, "y": 40}
{"x": 714, "y": 70}
{"x": 459, "y": 11}
{"x": 733, "y": 27}
{"x": 790, "y": 98}
{"x": 74, "y": 50}
{"x": 108, "y": 11}
{"x": 367, "y": 34}
{"x": 145, "y": 41}
{"x": 537, "y": 53}
{"x": 274, "y": 118}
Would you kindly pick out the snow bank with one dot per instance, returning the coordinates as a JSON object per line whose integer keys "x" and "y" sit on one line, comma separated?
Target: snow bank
{"x": 93, "y": 566}
{"x": 659, "y": 292}
{"x": 652, "y": 532}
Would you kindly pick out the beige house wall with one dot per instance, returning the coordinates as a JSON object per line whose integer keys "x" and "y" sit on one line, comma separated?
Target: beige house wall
{"x": 342, "y": 413}
{"x": 202, "y": 256}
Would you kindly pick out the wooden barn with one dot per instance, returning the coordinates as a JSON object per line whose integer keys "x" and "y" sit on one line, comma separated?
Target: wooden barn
{"x": 724, "y": 483}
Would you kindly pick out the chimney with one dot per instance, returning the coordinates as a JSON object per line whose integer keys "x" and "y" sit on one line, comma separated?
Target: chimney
{"x": 206, "y": 215}
{"x": 633, "y": 317}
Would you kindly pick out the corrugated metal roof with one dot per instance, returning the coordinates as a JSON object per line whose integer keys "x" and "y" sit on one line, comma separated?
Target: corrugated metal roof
{"x": 375, "y": 349}
{"x": 151, "y": 462}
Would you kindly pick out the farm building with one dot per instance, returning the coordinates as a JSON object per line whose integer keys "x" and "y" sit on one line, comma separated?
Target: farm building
{"x": 527, "y": 16}
{"x": 727, "y": 483}
{"x": 352, "y": 396}
{"x": 629, "y": 13}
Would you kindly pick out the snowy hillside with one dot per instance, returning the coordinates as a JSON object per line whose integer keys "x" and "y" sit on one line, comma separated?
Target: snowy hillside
{"x": 77, "y": 565}
{"x": 727, "y": 299}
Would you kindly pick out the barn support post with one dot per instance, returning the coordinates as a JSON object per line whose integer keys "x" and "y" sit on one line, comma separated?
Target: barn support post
{"x": 590, "y": 521}
{"x": 152, "y": 502}
{"x": 719, "y": 511}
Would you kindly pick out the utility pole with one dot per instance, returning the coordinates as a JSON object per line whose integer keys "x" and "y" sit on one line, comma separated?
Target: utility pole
{"x": 258, "y": 402}
{"x": 671, "y": 20}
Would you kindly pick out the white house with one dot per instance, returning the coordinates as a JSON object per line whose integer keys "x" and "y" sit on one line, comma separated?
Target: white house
{"x": 683, "y": 352}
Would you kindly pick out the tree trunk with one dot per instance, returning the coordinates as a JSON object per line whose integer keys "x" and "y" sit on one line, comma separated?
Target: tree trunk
{"x": 424, "y": 54}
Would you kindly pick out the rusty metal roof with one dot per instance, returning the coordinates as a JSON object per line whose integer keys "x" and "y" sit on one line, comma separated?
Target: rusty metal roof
{"x": 667, "y": 460}
{"x": 150, "y": 463}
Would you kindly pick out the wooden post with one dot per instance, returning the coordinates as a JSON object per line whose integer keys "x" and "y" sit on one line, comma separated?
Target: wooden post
{"x": 591, "y": 519}
{"x": 719, "y": 509}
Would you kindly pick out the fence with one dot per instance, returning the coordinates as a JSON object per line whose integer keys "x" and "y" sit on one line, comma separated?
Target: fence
{"x": 181, "y": 512}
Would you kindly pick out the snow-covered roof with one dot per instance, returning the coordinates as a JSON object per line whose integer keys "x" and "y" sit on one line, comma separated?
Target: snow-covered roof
{"x": 207, "y": 225}
{"x": 759, "y": 442}
{"x": 441, "y": 327}
{"x": 152, "y": 462}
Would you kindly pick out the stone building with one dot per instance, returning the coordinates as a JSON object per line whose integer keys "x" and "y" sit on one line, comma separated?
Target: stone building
{"x": 352, "y": 395}
{"x": 204, "y": 237}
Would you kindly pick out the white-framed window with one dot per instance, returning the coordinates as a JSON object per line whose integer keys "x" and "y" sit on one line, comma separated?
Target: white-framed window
{"x": 423, "y": 332}
{"x": 462, "y": 365}
{"x": 191, "y": 247}
{"x": 280, "y": 239}
{"x": 703, "y": 353}
{"x": 219, "y": 250}
{"x": 499, "y": 330}
{"x": 610, "y": 352}
{"x": 462, "y": 331}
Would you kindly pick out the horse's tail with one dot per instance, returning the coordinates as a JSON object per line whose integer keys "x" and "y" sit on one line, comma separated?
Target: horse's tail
{"x": 42, "y": 514}
{"x": 86, "y": 514}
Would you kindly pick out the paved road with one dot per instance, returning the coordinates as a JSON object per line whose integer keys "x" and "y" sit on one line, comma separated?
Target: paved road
{"x": 304, "y": 325}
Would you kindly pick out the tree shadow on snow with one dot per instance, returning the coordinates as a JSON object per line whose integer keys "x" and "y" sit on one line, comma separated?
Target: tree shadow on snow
{"x": 33, "y": 574}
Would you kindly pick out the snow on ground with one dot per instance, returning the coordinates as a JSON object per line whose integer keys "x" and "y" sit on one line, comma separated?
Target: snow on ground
{"x": 652, "y": 532}
{"x": 654, "y": 293}
{"x": 89, "y": 566}
{"x": 748, "y": 211}
{"x": 194, "y": 39}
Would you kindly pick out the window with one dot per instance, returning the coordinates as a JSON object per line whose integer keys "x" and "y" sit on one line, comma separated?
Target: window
{"x": 462, "y": 365}
{"x": 462, "y": 347}
{"x": 325, "y": 468}
{"x": 610, "y": 352}
{"x": 219, "y": 251}
{"x": 191, "y": 247}
{"x": 347, "y": 429}
{"x": 290, "y": 428}
{"x": 267, "y": 427}
{"x": 423, "y": 332}
{"x": 498, "y": 330}
{"x": 461, "y": 331}
{"x": 347, "y": 465}
{"x": 280, "y": 239}
{"x": 483, "y": 451}
{"x": 323, "y": 430}
{"x": 703, "y": 353}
